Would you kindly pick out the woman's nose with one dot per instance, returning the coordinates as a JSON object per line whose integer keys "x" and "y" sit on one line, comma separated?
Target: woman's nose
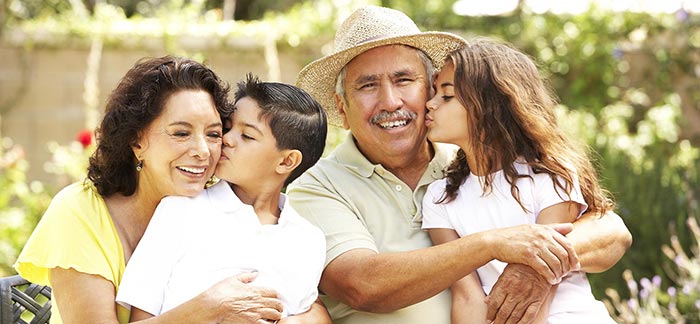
{"x": 201, "y": 148}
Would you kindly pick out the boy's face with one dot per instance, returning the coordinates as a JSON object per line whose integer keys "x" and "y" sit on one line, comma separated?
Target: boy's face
{"x": 249, "y": 154}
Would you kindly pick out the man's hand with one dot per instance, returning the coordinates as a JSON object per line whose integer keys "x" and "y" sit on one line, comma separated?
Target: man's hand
{"x": 517, "y": 295}
{"x": 544, "y": 248}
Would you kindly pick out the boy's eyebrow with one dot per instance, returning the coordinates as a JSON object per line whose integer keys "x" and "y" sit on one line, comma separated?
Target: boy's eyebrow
{"x": 253, "y": 126}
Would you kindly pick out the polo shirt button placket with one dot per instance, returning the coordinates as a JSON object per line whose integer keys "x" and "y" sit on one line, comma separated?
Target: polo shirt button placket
{"x": 398, "y": 187}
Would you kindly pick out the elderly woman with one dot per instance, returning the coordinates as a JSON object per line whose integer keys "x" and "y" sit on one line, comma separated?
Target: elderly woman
{"x": 160, "y": 136}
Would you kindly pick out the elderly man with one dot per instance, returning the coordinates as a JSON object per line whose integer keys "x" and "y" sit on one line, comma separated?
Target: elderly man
{"x": 366, "y": 196}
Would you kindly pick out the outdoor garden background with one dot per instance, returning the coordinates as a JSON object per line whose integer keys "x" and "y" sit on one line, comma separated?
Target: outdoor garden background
{"x": 627, "y": 78}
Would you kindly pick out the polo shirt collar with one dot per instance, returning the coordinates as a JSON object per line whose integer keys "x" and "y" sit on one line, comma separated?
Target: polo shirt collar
{"x": 349, "y": 155}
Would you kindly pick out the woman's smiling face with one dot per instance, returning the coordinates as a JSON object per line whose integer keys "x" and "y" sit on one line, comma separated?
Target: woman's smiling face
{"x": 180, "y": 148}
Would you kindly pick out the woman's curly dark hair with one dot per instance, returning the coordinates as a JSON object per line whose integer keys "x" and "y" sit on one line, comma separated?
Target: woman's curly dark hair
{"x": 138, "y": 99}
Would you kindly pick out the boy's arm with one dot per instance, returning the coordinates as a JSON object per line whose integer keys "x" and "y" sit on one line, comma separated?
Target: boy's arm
{"x": 467, "y": 295}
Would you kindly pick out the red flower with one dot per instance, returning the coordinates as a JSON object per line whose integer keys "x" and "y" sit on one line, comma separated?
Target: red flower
{"x": 84, "y": 137}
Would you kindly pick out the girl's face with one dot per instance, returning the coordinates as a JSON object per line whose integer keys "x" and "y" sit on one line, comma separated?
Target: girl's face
{"x": 447, "y": 118}
{"x": 180, "y": 148}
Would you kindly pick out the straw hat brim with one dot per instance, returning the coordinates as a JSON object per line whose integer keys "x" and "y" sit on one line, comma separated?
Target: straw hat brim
{"x": 318, "y": 78}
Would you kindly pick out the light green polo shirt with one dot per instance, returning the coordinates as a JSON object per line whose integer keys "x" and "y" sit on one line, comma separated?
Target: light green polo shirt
{"x": 358, "y": 204}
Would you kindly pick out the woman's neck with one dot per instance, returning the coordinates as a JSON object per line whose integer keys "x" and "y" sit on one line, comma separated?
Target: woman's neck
{"x": 131, "y": 215}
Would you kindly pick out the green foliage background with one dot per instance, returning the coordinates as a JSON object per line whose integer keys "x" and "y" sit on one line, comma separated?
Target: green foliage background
{"x": 627, "y": 82}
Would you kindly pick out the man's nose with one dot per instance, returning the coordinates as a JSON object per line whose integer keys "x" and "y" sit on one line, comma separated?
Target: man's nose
{"x": 389, "y": 96}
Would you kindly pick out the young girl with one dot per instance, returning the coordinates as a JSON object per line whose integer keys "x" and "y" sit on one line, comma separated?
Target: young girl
{"x": 514, "y": 166}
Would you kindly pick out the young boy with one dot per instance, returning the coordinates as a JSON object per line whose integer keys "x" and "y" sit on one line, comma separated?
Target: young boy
{"x": 242, "y": 224}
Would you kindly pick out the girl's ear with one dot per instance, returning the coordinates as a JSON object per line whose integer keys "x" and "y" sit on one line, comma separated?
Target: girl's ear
{"x": 290, "y": 161}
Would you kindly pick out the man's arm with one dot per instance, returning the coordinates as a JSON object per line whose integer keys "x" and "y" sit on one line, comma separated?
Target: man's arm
{"x": 384, "y": 282}
{"x": 317, "y": 314}
{"x": 599, "y": 241}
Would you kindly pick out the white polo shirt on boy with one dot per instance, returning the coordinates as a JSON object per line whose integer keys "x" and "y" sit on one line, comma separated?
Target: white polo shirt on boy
{"x": 193, "y": 243}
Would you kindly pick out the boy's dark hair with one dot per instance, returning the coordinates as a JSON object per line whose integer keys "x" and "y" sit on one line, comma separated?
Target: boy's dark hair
{"x": 297, "y": 121}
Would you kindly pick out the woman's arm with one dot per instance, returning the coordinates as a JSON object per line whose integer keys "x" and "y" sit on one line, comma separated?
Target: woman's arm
{"x": 85, "y": 298}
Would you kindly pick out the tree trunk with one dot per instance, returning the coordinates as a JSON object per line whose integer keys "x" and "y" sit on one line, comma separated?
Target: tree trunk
{"x": 229, "y": 9}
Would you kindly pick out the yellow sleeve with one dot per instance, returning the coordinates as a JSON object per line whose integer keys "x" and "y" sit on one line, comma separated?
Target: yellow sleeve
{"x": 76, "y": 232}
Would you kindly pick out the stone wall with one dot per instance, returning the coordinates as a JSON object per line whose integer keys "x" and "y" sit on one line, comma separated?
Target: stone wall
{"x": 41, "y": 89}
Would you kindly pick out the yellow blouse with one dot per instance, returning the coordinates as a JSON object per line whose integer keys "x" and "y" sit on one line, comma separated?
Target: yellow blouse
{"x": 76, "y": 232}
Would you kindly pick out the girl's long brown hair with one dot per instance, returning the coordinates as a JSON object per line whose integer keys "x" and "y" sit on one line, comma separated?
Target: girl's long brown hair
{"x": 510, "y": 112}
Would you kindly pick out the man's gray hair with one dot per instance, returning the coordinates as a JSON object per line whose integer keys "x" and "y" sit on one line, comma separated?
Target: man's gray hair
{"x": 427, "y": 63}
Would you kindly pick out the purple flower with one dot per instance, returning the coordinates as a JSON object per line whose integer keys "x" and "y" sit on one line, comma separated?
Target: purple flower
{"x": 644, "y": 293}
{"x": 632, "y": 304}
{"x": 656, "y": 280}
{"x": 645, "y": 282}
{"x": 672, "y": 291}
{"x": 617, "y": 53}
{"x": 632, "y": 285}
{"x": 686, "y": 290}
{"x": 682, "y": 15}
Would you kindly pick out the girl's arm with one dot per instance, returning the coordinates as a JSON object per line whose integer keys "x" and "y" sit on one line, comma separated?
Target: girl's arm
{"x": 468, "y": 300}
{"x": 467, "y": 294}
{"x": 563, "y": 212}
{"x": 543, "y": 313}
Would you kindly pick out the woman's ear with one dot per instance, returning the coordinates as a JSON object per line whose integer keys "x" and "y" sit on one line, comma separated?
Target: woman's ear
{"x": 136, "y": 147}
{"x": 290, "y": 161}
{"x": 139, "y": 146}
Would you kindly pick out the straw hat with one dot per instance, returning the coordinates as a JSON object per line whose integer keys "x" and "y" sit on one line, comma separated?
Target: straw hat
{"x": 367, "y": 28}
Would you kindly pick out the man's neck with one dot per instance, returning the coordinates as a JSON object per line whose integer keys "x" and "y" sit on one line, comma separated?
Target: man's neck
{"x": 410, "y": 168}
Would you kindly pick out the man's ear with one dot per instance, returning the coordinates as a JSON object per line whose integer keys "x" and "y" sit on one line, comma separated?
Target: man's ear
{"x": 341, "y": 103}
{"x": 290, "y": 161}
